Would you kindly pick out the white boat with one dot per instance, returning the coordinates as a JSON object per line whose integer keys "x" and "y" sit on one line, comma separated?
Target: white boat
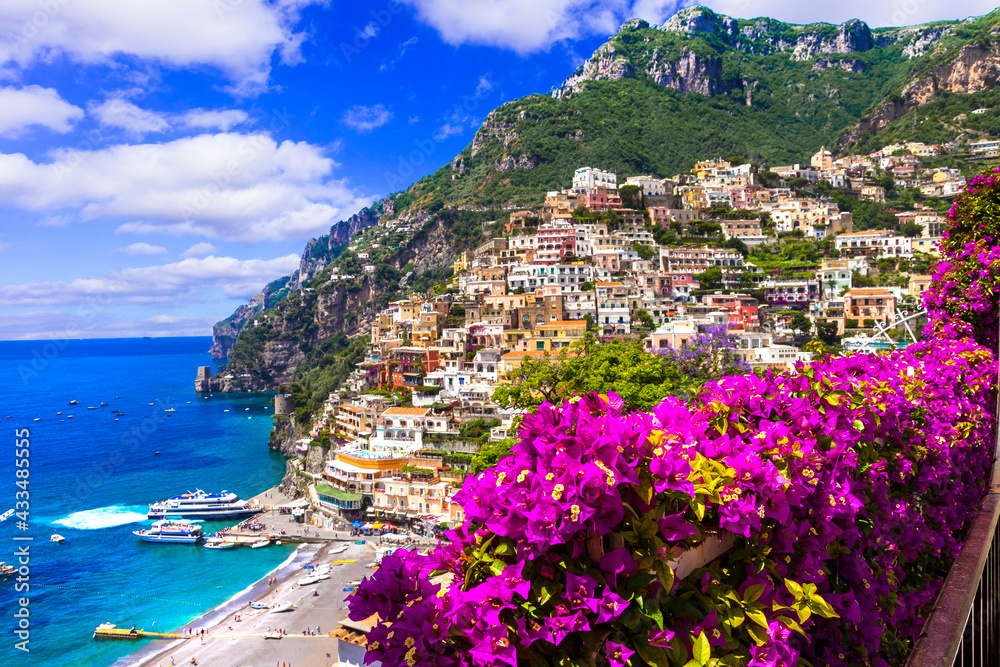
{"x": 6, "y": 515}
{"x": 172, "y": 532}
{"x": 311, "y": 579}
{"x": 260, "y": 544}
{"x": 38, "y": 419}
{"x": 170, "y": 410}
{"x": 219, "y": 544}
{"x": 272, "y": 635}
{"x": 339, "y": 550}
{"x": 284, "y": 607}
{"x": 202, "y": 505}
{"x": 6, "y": 570}
{"x": 259, "y": 605}
{"x": 57, "y": 538}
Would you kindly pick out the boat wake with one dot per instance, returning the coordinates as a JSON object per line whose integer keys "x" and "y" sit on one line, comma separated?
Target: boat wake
{"x": 104, "y": 517}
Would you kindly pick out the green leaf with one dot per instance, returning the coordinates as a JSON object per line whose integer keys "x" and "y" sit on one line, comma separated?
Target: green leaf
{"x": 752, "y": 593}
{"x": 699, "y": 509}
{"x": 701, "y": 650}
{"x": 497, "y": 567}
{"x": 757, "y": 616}
{"x": 793, "y": 588}
{"x": 666, "y": 575}
{"x": 858, "y": 425}
{"x": 822, "y": 608}
{"x": 547, "y": 589}
{"x": 651, "y": 609}
{"x": 758, "y": 634}
{"x": 791, "y": 624}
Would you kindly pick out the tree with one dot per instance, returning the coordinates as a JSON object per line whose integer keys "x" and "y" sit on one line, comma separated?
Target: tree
{"x": 644, "y": 251}
{"x": 490, "y": 454}
{"x": 911, "y": 230}
{"x": 826, "y": 332}
{"x": 587, "y": 287}
{"x": 622, "y": 366}
{"x": 800, "y": 322}
{"x": 631, "y": 197}
{"x": 818, "y": 348}
{"x": 737, "y": 245}
{"x": 710, "y": 278}
{"x": 644, "y": 317}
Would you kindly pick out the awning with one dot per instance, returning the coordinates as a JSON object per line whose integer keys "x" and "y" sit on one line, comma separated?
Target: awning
{"x": 367, "y": 526}
{"x": 371, "y": 511}
{"x": 376, "y": 526}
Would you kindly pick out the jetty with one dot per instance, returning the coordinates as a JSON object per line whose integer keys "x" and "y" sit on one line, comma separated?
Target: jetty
{"x": 121, "y": 633}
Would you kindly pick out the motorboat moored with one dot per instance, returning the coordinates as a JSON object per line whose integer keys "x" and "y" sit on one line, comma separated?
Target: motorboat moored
{"x": 173, "y": 532}
{"x": 219, "y": 544}
{"x": 260, "y": 544}
{"x": 282, "y": 608}
{"x": 57, "y": 538}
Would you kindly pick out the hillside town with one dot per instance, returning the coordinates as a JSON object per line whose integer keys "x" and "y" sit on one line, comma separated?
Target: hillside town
{"x": 656, "y": 260}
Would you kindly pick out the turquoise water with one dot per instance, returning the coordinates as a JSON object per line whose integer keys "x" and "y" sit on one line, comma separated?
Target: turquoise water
{"x": 91, "y": 478}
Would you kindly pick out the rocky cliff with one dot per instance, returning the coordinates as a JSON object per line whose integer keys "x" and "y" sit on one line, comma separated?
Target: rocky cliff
{"x": 224, "y": 333}
{"x": 976, "y": 68}
{"x": 317, "y": 255}
{"x": 686, "y": 52}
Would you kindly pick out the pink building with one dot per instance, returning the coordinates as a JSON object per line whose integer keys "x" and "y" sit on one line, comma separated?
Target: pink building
{"x": 553, "y": 242}
{"x": 603, "y": 200}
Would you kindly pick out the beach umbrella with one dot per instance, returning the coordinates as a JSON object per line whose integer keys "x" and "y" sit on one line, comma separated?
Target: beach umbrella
{"x": 356, "y": 524}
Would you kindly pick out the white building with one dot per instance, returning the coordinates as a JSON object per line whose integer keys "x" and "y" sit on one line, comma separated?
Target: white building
{"x": 587, "y": 179}
{"x": 649, "y": 185}
{"x": 532, "y": 276}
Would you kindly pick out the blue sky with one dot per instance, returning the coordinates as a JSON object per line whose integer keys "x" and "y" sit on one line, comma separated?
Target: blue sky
{"x": 161, "y": 161}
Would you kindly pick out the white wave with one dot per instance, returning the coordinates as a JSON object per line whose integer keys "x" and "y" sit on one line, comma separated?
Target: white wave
{"x": 104, "y": 517}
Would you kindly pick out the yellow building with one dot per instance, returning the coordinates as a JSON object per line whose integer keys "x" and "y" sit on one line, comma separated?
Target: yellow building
{"x": 919, "y": 285}
{"x": 414, "y": 499}
{"x": 510, "y": 362}
{"x": 554, "y": 336}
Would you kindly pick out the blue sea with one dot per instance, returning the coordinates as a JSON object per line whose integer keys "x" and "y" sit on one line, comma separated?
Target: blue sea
{"x": 92, "y": 476}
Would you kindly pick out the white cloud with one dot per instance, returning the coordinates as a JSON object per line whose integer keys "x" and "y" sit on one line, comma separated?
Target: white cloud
{"x": 369, "y": 31}
{"x": 365, "y": 119}
{"x": 523, "y": 26}
{"x": 21, "y": 108}
{"x": 143, "y": 249}
{"x": 123, "y": 114}
{"x": 208, "y": 119}
{"x": 237, "y": 37}
{"x": 167, "y": 282}
{"x": 243, "y": 187}
{"x": 448, "y": 130}
{"x": 526, "y": 26}
{"x": 199, "y": 250}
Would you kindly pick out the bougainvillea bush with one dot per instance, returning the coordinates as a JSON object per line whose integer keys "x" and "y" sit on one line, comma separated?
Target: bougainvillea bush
{"x": 839, "y": 495}
{"x": 846, "y": 488}
{"x": 963, "y": 297}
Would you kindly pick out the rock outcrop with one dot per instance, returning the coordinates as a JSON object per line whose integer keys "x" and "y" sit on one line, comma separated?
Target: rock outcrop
{"x": 675, "y": 65}
{"x": 317, "y": 255}
{"x": 975, "y": 69}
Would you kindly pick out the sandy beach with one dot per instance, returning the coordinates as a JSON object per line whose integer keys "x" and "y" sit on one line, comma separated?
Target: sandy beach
{"x": 231, "y": 643}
